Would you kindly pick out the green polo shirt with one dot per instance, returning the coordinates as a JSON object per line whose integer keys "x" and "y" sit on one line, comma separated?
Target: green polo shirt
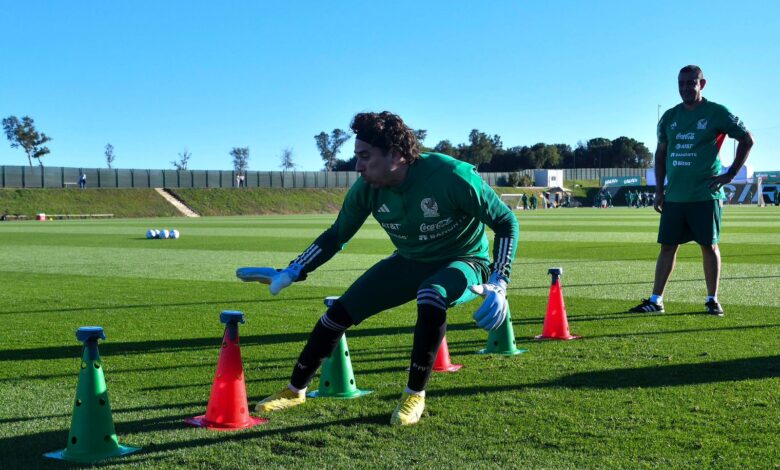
{"x": 694, "y": 138}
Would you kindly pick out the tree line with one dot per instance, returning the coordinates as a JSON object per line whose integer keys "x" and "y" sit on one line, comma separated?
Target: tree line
{"x": 486, "y": 152}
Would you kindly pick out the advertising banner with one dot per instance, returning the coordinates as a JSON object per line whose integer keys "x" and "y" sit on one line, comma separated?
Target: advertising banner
{"x": 621, "y": 181}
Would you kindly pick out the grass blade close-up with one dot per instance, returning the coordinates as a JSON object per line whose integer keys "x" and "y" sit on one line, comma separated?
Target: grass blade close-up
{"x": 676, "y": 389}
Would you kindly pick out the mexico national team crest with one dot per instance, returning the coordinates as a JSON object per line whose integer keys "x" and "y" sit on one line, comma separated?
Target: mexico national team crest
{"x": 701, "y": 124}
{"x": 429, "y": 207}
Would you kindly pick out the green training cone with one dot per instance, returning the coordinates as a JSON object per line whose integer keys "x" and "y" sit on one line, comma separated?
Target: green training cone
{"x": 337, "y": 379}
{"x": 92, "y": 436}
{"x": 502, "y": 340}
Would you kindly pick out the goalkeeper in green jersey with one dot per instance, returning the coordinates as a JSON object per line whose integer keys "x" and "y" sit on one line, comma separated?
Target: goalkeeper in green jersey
{"x": 435, "y": 210}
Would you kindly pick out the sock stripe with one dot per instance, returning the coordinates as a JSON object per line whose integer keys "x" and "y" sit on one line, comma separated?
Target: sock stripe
{"x": 331, "y": 325}
{"x": 431, "y": 297}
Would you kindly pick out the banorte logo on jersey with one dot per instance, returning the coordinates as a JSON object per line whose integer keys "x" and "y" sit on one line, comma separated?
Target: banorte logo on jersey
{"x": 429, "y": 207}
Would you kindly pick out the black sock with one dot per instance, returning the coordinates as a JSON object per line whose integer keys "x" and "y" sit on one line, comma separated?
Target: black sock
{"x": 428, "y": 334}
{"x": 322, "y": 341}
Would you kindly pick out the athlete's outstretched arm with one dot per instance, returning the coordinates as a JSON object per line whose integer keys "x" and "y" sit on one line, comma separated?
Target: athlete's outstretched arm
{"x": 353, "y": 213}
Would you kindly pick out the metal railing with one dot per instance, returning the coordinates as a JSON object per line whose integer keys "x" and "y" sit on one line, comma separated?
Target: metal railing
{"x": 64, "y": 177}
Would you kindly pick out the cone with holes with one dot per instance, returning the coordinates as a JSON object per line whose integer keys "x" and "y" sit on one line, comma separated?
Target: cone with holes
{"x": 556, "y": 324}
{"x": 502, "y": 340}
{"x": 337, "y": 379}
{"x": 443, "y": 363}
{"x": 228, "y": 409}
{"x": 92, "y": 436}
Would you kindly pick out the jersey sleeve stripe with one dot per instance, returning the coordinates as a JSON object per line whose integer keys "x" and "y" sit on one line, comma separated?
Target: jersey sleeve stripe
{"x": 307, "y": 256}
{"x": 503, "y": 256}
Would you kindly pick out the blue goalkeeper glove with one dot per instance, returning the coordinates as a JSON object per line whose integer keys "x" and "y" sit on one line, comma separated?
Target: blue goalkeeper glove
{"x": 492, "y": 313}
{"x": 277, "y": 279}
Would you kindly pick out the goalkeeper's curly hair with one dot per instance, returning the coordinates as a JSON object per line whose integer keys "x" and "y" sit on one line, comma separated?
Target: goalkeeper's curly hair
{"x": 387, "y": 131}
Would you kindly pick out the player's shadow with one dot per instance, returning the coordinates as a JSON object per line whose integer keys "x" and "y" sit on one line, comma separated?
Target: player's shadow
{"x": 734, "y": 370}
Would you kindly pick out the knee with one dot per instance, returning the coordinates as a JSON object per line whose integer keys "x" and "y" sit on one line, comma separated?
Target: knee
{"x": 710, "y": 249}
{"x": 669, "y": 250}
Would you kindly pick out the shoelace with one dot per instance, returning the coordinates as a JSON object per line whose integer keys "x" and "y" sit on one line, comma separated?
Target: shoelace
{"x": 410, "y": 403}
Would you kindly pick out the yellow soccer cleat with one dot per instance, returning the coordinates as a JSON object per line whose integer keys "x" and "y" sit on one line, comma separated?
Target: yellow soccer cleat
{"x": 409, "y": 410}
{"x": 281, "y": 400}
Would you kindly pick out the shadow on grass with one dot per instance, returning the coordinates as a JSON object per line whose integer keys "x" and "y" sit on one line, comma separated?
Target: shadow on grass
{"x": 692, "y": 330}
{"x": 735, "y": 370}
{"x": 673, "y": 375}
{"x": 180, "y": 345}
{"x": 26, "y": 451}
{"x": 642, "y": 283}
{"x": 93, "y": 308}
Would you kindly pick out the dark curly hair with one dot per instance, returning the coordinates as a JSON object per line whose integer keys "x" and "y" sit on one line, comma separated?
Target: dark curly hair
{"x": 387, "y": 131}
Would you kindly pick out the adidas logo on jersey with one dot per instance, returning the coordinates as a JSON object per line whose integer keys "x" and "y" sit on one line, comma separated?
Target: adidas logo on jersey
{"x": 383, "y": 209}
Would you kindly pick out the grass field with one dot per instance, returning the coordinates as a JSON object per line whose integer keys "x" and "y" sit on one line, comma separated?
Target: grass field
{"x": 679, "y": 389}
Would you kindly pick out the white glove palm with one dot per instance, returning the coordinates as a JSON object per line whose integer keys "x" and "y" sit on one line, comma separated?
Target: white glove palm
{"x": 492, "y": 313}
{"x": 277, "y": 279}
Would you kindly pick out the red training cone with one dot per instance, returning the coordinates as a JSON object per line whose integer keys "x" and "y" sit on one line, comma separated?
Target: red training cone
{"x": 556, "y": 325}
{"x": 443, "y": 363}
{"x": 228, "y": 408}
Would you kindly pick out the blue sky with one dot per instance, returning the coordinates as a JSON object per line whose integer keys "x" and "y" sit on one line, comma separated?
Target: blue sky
{"x": 156, "y": 77}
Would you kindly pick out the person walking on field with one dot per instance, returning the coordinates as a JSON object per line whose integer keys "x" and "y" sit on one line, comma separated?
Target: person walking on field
{"x": 689, "y": 139}
{"x": 435, "y": 210}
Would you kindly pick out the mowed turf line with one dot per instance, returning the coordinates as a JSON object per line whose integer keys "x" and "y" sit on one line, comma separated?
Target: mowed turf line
{"x": 679, "y": 389}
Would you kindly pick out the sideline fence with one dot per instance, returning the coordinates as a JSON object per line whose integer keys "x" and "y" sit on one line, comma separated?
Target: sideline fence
{"x": 64, "y": 177}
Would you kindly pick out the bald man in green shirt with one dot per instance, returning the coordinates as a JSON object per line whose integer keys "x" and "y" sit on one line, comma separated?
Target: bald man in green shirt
{"x": 690, "y": 136}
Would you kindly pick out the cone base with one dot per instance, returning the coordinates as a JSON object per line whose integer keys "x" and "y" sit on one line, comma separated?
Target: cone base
{"x": 450, "y": 368}
{"x": 202, "y": 422}
{"x": 342, "y": 395}
{"x": 90, "y": 458}
{"x": 560, "y": 338}
{"x": 508, "y": 352}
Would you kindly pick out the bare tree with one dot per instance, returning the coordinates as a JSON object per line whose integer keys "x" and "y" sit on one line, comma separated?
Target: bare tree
{"x": 23, "y": 134}
{"x": 184, "y": 158}
{"x": 240, "y": 159}
{"x": 287, "y": 159}
{"x": 109, "y": 153}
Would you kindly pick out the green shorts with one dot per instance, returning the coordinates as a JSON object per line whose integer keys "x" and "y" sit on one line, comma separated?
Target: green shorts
{"x": 682, "y": 222}
{"x": 396, "y": 280}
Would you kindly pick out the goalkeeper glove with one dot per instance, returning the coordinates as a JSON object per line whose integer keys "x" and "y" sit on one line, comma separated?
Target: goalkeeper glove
{"x": 277, "y": 279}
{"x": 492, "y": 313}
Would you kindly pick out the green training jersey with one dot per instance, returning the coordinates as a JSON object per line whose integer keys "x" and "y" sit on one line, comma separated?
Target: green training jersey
{"x": 693, "y": 138}
{"x": 438, "y": 213}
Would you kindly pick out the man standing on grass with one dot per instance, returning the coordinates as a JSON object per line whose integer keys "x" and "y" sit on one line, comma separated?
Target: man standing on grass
{"x": 689, "y": 139}
{"x": 435, "y": 210}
